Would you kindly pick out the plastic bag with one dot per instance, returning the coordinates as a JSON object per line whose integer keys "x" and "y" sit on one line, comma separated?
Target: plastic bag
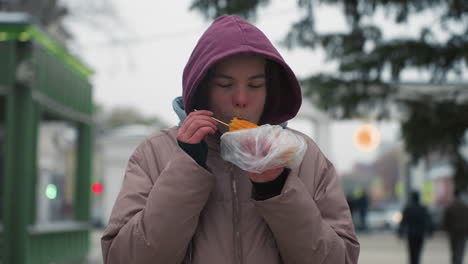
{"x": 263, "y": 148}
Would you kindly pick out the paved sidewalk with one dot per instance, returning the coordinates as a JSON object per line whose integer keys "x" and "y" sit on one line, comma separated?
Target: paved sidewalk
{"x": 386, "y": 248}
{"x": 376, "y": 248}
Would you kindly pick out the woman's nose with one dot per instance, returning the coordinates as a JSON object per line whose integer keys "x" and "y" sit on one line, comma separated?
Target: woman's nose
{"x": 240, "y": 98}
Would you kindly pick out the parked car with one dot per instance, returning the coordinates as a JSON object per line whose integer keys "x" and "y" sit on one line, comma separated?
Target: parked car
{"x": 384, "y": 217}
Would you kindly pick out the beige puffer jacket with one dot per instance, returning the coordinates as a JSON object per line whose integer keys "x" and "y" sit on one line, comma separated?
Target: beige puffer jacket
{"x": 168, "y": 202}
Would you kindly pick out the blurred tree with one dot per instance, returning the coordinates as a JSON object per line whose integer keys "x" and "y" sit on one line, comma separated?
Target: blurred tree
{"x": 370, "y": 67}
{"x": 48, "y": 13}
{"x": 215, "y": 8}
{"x": 121, "y": 116}
{"x": 51, "y": 15}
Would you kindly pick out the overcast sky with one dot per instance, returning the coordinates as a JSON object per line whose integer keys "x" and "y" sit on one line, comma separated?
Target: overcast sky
{"x": 145, "y": 69}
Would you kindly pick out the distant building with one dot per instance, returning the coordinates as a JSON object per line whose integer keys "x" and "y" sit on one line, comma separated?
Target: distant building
{"x": 314, "y": 123}
{"x": 113, "y": 150}
{"x": 381, "y": 177}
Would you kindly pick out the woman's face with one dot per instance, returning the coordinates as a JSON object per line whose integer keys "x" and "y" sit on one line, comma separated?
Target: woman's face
{"x": 237, "y": 88}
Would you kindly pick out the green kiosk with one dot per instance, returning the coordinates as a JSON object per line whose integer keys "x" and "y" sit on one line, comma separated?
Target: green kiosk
{"x": 46, "y": 111}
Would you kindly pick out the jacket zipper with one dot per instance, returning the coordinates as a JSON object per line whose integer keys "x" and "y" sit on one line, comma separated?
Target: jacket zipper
{"x": 235, "y": 219}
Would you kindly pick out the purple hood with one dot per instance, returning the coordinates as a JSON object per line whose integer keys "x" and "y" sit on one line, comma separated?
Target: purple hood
{"x": 230, "y": 35}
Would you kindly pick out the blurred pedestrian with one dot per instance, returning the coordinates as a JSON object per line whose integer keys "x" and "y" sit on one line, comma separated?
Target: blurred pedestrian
{"x": 362, "y": 206}
{"x": 351, "y": 203}
{"x": 455, "y": 222}
{"x": 181, "y": 202}
{"x": 415, "y": 225}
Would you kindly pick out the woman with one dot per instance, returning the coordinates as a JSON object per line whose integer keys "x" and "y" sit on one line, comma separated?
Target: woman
{"x": 182, "y": 203}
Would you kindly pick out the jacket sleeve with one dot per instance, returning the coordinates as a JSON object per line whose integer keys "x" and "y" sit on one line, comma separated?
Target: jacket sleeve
{"x": 155, "y": 216}
{"x": 310, "y": 219}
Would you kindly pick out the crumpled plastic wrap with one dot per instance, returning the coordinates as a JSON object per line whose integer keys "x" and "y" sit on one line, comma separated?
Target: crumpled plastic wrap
{"x": 265, "y": 147}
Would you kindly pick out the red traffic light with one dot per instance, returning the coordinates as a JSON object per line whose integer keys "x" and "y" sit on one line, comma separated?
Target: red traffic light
{"x": 97, "y": 188}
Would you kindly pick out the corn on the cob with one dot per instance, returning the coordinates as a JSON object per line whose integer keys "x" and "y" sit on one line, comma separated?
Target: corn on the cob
{"x": 238, "y": 124}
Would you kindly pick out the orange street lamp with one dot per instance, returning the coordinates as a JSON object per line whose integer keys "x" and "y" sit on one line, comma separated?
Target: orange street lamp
{"x": 366, "y": 138}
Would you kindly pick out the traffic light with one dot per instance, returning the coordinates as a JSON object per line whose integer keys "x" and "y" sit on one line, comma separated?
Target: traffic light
{"x": 97, "y": 188}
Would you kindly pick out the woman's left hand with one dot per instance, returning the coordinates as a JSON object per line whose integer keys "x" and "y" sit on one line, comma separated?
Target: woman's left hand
{"x": 260, "y": 149}
{"x": 266, "y": 176}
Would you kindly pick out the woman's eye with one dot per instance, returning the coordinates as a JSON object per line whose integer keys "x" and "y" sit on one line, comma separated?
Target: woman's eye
{"x": 256, "y": 85}
{"x": 224, "y": 85}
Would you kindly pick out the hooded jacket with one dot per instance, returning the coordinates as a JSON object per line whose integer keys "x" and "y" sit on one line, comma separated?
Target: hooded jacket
{"x": 172, "y": 210}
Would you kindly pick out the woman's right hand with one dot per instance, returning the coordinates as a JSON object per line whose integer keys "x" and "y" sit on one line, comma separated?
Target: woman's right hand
{"x": 196, "y": 127}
